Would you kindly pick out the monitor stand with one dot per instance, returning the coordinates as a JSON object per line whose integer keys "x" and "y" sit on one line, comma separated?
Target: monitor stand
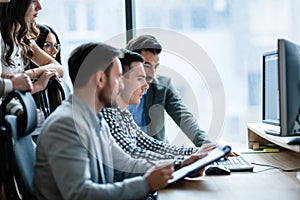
{"x": 257, "y": 135}
{"x": 292, "y": 140}
{"x": 272, "y": 132}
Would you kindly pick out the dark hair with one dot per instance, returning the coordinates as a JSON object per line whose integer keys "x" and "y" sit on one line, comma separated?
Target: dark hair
{"x": 41, "y": 39}
{"x": 13, "y": 28}
{"x": 144, "y": 42}
{"x": 52, "y": 90}
{"x": 128, "y": 58}
{"x": 87, "y": 59}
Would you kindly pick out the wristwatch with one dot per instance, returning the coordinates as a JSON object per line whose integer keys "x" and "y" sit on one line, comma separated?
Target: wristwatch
{"x": 177, "y": 164}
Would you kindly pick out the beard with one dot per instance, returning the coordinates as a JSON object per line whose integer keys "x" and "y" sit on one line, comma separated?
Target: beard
{"x": 108, "y": 95}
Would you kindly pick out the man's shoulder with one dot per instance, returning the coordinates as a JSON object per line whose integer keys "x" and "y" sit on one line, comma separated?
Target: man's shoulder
{"x": 61, "y": 115}
{"x": 162, "y": 79}
{"x": 160, "y": 82}
{"x": 65, "y": 122}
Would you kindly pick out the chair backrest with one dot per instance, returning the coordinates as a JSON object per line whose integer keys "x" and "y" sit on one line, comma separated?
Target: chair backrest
{"x": 56, "y": 91}
{"x": 18, "y": 155}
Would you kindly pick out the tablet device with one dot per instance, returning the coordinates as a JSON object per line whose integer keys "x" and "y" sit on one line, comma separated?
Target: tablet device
{"x": 214, "y": 155}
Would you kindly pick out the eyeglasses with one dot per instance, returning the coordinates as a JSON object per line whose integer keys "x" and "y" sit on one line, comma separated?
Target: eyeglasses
{"x": 49, "y": 46}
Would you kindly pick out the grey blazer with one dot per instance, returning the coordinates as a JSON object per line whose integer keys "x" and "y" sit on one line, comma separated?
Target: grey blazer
{"x": 78, "y": 159}
{"x": 161, "y": 96}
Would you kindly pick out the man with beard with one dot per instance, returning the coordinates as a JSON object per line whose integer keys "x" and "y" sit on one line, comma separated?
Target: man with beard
{"x": 77, "y": 158}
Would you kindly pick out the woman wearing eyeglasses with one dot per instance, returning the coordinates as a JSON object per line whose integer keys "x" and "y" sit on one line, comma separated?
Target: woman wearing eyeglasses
{"x": 49, "y": 42}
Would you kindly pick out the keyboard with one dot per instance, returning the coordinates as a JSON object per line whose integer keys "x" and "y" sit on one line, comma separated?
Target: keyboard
{"x": 235, "y": 164}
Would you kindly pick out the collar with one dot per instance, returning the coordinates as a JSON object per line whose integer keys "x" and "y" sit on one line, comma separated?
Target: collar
{"x": 80, "y": 108}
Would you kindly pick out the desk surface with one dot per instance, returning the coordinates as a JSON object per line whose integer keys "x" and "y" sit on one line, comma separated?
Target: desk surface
{"x": 261, "y": 184}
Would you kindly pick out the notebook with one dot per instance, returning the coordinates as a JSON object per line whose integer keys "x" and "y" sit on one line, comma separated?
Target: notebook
{"x": 214, "y": 155}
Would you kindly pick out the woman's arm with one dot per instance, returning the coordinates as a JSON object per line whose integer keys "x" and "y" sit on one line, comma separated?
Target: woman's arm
{"x": 44, "y": 61}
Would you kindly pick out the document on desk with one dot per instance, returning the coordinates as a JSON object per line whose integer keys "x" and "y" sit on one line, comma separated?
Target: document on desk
{"x": 214, "y": 155}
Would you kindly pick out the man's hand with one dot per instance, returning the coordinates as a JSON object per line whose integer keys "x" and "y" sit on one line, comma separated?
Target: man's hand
{"x": 157, "y": 176}
{"x": 232, "y": 153}
{"x": 21, "y": 82}
{"x": 205, "y": 148}
{"x": 192, "y": 159}
{"x": 43, "y": 80}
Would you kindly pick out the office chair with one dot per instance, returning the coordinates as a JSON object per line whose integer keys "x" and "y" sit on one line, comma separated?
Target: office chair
{"x": 56, "y": 91}
{"x": 17, "y": 148}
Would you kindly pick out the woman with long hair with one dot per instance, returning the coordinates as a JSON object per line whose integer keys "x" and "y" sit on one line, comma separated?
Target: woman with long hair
{"x": 18, "y": 33}
{"x": 48, "y": 41}
{"x": 17, "y": 82}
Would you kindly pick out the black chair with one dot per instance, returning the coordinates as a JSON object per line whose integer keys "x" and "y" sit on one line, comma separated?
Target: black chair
{"x": 17, "y": 148}
{"x": 49, "y": 99}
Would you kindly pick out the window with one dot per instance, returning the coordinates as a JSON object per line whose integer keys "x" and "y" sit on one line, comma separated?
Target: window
{"x": 175, "y": 19}
{"x": 71, "y": 22}
{"x": 199, "y": 18}
{"x": 79, "y": 21}
{"x": 90, "y": 20}
{"x": 234, "y": 34}
{"x": 254, "y": 89}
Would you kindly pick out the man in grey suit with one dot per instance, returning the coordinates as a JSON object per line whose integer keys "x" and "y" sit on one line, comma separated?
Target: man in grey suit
{"x": 77, "y": 158}
{"x": 161, "y": 96}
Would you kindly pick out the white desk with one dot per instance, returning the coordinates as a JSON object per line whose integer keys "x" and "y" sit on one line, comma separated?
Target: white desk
{"x": 267, "y": 185}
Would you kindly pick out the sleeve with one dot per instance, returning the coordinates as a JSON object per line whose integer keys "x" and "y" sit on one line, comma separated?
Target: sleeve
{"x": 13, "y": 106}
{"x": 32, "y": 42}
{"x": 122, "y": 160}
{"x": 126, "y": 144}
{"x": 6, "y": 86}
{"x": 146, "y": 142}
{"x": 66, "y": 151}
{"x": 183, "y": 118}
{"x": 126, "y": 166}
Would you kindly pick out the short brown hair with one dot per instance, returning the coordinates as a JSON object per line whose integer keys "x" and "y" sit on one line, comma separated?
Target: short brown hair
{"x": 144, "y": 42}
{"x": 128, "y": 58}
{"x": 87, "y": 59}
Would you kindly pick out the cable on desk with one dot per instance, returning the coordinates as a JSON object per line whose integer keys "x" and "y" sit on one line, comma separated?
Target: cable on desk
{"x": 275, "y": 167}
{"x": 263, "y": 170}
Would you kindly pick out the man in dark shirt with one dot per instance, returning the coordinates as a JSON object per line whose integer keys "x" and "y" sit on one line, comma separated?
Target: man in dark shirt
{"x": 161, "y": 96}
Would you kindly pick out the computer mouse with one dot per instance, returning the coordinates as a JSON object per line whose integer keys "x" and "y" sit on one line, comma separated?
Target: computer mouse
{"x": 216, "y": 170}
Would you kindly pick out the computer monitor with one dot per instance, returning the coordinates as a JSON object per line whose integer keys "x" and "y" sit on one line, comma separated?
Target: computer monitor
{"x": 270, "y": 88}
{"x": 281, "y": 89}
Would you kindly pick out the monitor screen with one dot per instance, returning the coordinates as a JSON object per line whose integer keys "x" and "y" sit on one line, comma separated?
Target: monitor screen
{"x": 270, "y": 88}
{"x": 281, "y": 88}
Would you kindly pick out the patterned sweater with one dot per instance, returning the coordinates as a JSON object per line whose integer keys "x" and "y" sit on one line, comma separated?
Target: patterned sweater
{"x": 137, "y": 143}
